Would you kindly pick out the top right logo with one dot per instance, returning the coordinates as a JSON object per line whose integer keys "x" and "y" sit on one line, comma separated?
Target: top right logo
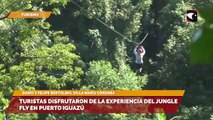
{"x": 191, "y": 15}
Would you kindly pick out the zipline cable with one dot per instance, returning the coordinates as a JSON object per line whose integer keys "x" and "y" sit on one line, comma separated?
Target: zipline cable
{"x": 143, "y": 38}
{"x": 129, "y": 40}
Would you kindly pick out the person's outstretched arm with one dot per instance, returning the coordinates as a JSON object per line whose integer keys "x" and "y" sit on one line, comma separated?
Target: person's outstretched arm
{"x": 144, "y": 51}
{"x": 135, "y": 50}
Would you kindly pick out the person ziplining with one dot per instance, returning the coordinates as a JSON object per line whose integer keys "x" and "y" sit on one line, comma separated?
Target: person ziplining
{"x": 139, "y": 53}
{"x": 139, "y": 50}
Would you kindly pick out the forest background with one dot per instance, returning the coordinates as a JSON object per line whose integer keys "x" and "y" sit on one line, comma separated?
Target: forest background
{"x": 72, "y": 50}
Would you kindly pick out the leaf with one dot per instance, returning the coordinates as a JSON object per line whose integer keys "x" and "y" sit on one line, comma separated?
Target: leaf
{"x": 1, "y": 116}
{"x": 56, "y": 11}
{"x": 206, "y": 13}
{"x": 201, "y": 49}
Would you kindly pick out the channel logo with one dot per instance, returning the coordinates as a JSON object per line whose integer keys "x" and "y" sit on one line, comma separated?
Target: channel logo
{"x": 191, "y": 15}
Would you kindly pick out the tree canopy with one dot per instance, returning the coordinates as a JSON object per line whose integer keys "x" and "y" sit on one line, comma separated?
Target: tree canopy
{"x": 87, "y": 44}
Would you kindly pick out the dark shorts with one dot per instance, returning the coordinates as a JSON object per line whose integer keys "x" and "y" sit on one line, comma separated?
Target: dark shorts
{"x": 138, "y": 66}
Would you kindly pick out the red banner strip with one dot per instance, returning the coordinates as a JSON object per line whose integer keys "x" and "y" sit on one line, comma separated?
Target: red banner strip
{"x": 97, "y": 105}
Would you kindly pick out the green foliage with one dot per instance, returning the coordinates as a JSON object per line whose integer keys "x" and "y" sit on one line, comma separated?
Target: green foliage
{"x": 194, "y": 113}
{"x": 173, "y": 60}
{"x": 22, "y": 116}
{"x": 201, "y": 48}
{"x": 50, "y": 117}
{"x": 93, "y": 36}
{"x": 27, "y": 5}
{"x": 82, "y": 117}
{"x": 34, "y": 57}
{"x": 172, "y": 68}
{"x": 207, "y": 17}
{"x": 1, "y": 116}
{"x": 101, "y": 75}
{"x": 159, "y": 116}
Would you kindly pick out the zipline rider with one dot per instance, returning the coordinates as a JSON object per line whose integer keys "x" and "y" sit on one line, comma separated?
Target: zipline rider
{"x": 139, "y": 52}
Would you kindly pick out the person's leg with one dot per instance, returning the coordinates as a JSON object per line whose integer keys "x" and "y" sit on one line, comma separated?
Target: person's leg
{"x": 139, "y": 69}
{"x": 138, "y": 66}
